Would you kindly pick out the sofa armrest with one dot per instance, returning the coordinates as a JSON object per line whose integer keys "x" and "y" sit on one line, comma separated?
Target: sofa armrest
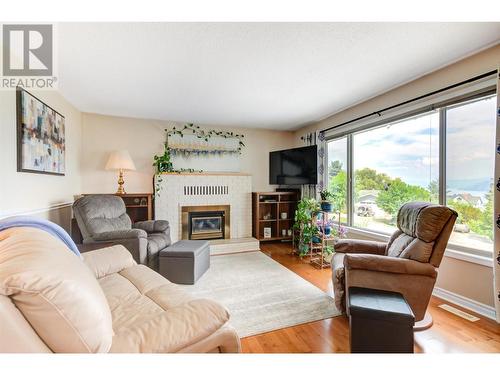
{"x": 152, "y": 226}
{"x": 360, "y": 247}
{"x": 108, "y": 260}
{"x": 119, "y": 235}
{"x": 387, "y": 264}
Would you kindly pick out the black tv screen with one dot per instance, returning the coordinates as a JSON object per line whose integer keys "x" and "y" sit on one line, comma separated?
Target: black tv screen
{"x": 296, "y": 166}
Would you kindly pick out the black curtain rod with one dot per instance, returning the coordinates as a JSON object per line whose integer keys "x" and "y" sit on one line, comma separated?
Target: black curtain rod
{"x": 379, "y": 112}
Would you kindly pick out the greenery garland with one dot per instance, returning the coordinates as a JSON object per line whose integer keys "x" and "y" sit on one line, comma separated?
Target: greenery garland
{"x": 192, "y": 129}
{"x": 163, "y": 163}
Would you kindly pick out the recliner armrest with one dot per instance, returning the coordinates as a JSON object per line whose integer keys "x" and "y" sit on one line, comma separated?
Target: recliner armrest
{"x": 108, "y": 260}
{"x": 119, "y": 235}
{"x": 152, "y": 226}
{"x": 360, "y": 247}
{"x": 382, "y": 263}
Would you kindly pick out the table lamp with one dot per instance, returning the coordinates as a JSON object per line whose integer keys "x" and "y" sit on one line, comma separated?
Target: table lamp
{"x": 121, "y": 161}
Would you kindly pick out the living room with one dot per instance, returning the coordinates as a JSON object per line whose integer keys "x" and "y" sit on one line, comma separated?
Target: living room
{"x": 250, "y": 187}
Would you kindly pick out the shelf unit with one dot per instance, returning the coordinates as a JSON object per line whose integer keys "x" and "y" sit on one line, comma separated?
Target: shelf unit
{"x": 267, "y": 210}
{"x": 316, "y": 253}
{"x": 317, "y": 250}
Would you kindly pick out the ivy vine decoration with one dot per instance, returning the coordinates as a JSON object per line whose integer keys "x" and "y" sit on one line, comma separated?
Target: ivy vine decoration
{"x": 163, "y": 164}
{"x": 205, "y": 135}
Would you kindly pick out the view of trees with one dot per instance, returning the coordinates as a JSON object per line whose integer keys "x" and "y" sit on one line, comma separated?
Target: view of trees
{"x": 392, "y": 193}
{"x": 478, "y": 220}
{"x": 398, "y": 193}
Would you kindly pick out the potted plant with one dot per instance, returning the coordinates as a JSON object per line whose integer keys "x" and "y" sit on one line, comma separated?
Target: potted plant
{"x": 329, "y": 250}
{"x": 326, "y": 200}
{"x": 328, "y": 226}
{"x": 307, "y": 228}
{"x": 162, "y": 163}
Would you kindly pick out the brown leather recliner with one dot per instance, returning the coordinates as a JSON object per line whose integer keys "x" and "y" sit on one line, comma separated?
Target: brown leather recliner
{"x": 407, "y": 264}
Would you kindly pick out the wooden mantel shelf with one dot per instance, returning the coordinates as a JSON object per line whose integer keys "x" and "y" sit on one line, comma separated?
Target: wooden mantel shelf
{"x": 207, "y": 173}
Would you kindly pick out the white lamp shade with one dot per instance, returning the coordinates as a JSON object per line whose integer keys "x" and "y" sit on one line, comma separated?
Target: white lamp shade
{"x": 120, "y": 160}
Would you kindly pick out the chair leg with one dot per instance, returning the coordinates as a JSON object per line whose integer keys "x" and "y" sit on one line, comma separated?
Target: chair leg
{"x": 423, "y": 324}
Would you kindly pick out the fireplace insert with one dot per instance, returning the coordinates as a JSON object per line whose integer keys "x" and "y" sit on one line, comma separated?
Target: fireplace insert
{"x": 204, "y": 225}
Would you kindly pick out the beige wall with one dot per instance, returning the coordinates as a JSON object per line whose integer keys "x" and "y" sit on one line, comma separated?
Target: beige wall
{"x": 467, "y": 279}
{"x": 37, "y": 193}
{"x": 145, "y": 138}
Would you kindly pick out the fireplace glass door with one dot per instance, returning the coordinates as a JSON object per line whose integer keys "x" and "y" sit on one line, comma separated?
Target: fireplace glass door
{"x": 206, "y": 225}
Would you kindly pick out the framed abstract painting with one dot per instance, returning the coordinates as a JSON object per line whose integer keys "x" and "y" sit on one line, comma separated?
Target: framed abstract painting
{"x": 41, "y": 146}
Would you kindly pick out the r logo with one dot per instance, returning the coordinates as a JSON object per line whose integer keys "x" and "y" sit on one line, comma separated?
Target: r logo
{"x": 27, "y": 50}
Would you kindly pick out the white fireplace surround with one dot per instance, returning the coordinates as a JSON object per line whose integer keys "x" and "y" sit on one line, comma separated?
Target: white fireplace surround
{"x": 199, "y": 189}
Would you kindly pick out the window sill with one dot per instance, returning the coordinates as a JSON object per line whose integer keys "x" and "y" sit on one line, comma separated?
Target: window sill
{"x": 450, "y": 253}
{"x": 468, "y": 257}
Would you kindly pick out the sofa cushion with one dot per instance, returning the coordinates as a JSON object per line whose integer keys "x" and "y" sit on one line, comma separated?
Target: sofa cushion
{"x": 108, "y": 260}
{"x": 418, "y": 250}
{"x": 404, "y": 246}
{"x": 398, "y": 245}
{"x": 54, "y": 290}
{"x": 151, "y": 314}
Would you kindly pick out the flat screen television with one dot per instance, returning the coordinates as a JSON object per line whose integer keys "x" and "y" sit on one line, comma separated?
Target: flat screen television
{"x": 296, "y": 166}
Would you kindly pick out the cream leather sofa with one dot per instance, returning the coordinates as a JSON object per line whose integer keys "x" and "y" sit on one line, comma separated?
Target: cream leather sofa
{"x": 53, "y": 301}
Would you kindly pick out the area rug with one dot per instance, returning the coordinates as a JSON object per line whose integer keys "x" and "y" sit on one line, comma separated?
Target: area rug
{"x": 260, "y": 294}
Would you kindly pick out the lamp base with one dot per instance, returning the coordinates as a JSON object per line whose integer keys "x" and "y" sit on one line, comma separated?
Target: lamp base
{"x": 121, "y": 182}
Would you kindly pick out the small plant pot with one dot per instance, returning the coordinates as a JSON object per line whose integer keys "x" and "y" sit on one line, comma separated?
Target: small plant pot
{"x": 316, "y": 239}
{"x": 326, "y": 206}
{"x": 303, "y": 249}
{"x": 328, "y": 230}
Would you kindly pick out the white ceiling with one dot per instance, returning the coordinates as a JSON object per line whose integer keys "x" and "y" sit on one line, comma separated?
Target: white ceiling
{"x": 266, "y": 75}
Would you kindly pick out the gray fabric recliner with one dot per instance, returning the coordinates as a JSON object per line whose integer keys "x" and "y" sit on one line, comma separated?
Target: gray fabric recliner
{"x": 103, "y": 218}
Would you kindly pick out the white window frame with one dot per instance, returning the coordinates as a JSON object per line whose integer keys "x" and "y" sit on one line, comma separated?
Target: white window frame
{"x": 461, "y": 96}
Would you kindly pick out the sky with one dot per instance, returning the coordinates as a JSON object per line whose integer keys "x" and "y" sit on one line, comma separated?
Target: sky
{"x": 410, "y": 149}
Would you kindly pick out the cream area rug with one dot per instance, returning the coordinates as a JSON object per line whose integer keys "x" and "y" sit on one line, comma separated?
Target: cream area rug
{"x": 260, "y": 294}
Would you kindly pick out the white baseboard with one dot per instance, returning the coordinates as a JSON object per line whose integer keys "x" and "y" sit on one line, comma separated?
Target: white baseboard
{"x": 467, "y": 303}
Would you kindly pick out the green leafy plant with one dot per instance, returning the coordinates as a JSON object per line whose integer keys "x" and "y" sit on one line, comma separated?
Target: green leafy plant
{"x": 163, "y": 164}
{"x": 328, "y": 249}
{"x": 206, "y": 134}
{"x": 327, "y": 195}
{"x": 304, "y": 223}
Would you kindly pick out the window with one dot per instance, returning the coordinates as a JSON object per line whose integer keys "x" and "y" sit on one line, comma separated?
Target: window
{"x": 394, "y": 164}
{"x": 443, "y": 156}
{"x": 337, "y": 175}
{"x": 470, "y": 145}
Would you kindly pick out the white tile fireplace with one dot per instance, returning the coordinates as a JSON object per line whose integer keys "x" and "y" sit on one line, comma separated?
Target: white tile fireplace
{"x": 178, "y": 190}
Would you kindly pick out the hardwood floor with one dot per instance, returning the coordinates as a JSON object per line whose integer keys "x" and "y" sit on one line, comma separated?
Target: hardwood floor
{"x": 449, "y": 333}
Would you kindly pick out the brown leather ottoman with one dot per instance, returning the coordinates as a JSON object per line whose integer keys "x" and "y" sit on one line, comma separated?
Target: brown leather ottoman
{"x": 379, "y": 321}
